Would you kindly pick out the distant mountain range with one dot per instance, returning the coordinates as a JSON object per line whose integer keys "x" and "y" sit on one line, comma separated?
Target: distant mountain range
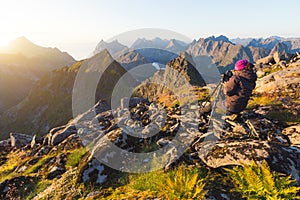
{"x": 143, "y": 51}
{"x": 292, "y": 45}
{"x": 21, "y": 64}
{"x": 222, "y": 51}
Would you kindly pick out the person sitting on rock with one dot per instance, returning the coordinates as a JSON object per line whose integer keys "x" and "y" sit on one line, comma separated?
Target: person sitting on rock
{"x": 238, "y": 88}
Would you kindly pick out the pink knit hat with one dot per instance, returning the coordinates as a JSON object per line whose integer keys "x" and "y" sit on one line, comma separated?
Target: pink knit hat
{"x": 240, "y": 65}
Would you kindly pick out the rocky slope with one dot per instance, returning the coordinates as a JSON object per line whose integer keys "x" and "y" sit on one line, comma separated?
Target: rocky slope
{"x": 48, "y": 164}
{"x": 49, "y": 103}
{"x": 21, "y": 64}
{"x": 92, "y": 155}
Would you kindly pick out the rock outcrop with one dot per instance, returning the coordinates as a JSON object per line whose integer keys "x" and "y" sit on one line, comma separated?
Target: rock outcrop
{"x": 293, "y": 133}
{"x": 20, "y": 140}
{"x": 279, "y": 80}
{"x": 178, "y": 77}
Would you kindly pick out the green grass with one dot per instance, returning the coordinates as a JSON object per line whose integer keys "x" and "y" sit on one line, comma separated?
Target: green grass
{"x": 75, "y": 156}
{"x": 147, "y": 181}
{"x": 15, "y": 159}
{"x": 262, "y": 101}
{"x": 40, "y": 164}
{"x": 284, "y": 116}
{"x": 39, "y": 187}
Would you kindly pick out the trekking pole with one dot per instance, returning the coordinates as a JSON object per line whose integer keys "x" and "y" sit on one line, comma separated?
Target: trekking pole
{"x": 217, "y": 91}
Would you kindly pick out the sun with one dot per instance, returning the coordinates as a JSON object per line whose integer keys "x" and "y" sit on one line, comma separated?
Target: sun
{"x": 6, "y": 38}
{"x": 4, "y": 41}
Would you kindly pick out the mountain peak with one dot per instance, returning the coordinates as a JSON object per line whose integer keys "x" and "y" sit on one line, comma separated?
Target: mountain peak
{"x": 277, "y": 37}
{"x": 22, "y": 38}
{"x": 219, "y": 38}
{"x": 174, "y": 42}
{"x": 223, "y": 38}
{"x": 187, "y": 57}
{"x": 103, "y": 53}
{"x": 28, "y": 49}
{"x": 156, "y": 42}
{"x": 114, "y": 47}
{"x": 102, "y": 42}
{"x": 21, "y": 42}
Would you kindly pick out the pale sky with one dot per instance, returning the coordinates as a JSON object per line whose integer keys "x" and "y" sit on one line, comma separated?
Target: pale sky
{"x": 77, "y": 26}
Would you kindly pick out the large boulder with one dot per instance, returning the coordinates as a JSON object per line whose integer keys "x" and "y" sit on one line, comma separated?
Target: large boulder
{"x": 281, "y": 158}
{"x": 278, "y": 80}
{"x": 4, "y": 144}
{"x": 266, "y": 60}
{"x": 237, "y": 144}
{"x": 278, "y": 57}
{"x": 62, "y": 134}
{"x": 293, "y": 133}
{"x": 19, "y": 139}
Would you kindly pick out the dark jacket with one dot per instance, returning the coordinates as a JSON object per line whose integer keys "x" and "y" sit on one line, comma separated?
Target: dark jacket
{"x": 238, "y": 90}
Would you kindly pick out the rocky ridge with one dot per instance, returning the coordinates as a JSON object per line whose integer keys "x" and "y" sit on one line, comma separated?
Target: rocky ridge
{"x": 23, "y": 63}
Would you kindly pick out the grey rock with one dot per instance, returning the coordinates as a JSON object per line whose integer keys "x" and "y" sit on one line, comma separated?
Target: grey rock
{"x": 277, "y": 57}
{"x": 160, "y": 121}
{"x": 19, "y": 139}
{"x": 163, "y": 142}
{"x": 55, "y": 172}
{"x": 62, "y": 134}
{"x": 4, "y": 144}
{"x": 33, "y": 142}
{"x": 42, "y": 151}
{"x": 150, "y": 130}
{"x": 125, "y": 102}
{"x": 282, "y": 64}
{"x": 92, "y": 171}
{"x": 260, "y": 73}
{"x": 293, "y": 133}
{"x": 93, "y": 194}
{"x": 224, "y": 153}
{"x": 278, "y": 80}
{"x": 266, "y": 60}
